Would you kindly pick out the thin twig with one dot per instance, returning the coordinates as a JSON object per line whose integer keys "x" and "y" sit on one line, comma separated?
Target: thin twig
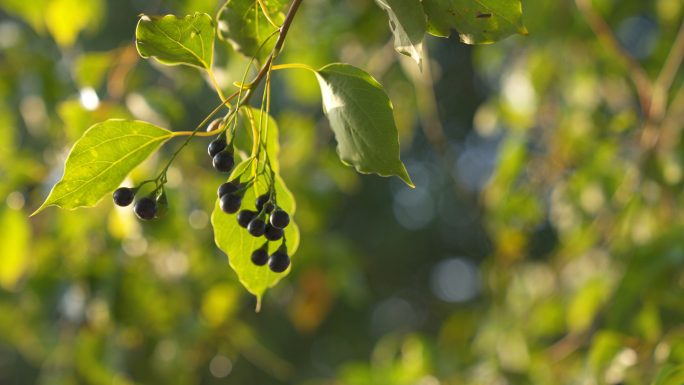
{"x": 667, "y": 74}
{"x": 638, "y": 75}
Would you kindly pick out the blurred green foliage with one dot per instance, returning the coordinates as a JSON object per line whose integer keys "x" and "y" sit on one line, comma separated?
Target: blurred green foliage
{"x": 542, "y": 243}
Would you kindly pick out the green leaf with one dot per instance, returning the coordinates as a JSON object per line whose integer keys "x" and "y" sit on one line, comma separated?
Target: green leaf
{"x": 175, "y": 41}
{"x": 360, "y": 114}
{"x": 477, "y": 21}
{"x": 101, "y": 159}
{"x": 407, "y": 22}
{"x": 243, "y": 24}
{"x": 238, "y": 244}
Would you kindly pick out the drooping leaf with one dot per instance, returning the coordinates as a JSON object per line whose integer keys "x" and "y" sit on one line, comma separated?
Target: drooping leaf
{"x": 238, "y": 244}
{"x": 244, "y": 25}
{"x": 407, "y": 22}
{"x": 101, "y": 159}
{"x": 476, "y": 21}
{"x": 175, "y": 41}
{"x": 360, "y": 114}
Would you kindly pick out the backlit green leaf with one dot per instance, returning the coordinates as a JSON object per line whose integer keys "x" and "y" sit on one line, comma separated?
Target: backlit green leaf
{"x": 238, "y": 244}
{"x": 407, "y": 22}
{"x": 101, "y": 159}
{"x": 360, "y": 114}
{"x": 243, "y": 24}
{"x": 476, "y": 21}
{"x": 175, "y": 41}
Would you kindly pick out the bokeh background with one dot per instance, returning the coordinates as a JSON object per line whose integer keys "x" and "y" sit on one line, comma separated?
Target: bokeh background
{"x": 543, "y": 243}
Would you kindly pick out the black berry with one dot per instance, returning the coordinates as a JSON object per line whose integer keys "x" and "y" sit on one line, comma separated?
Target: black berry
{"x": 216, "y": 146}
{"x": 230, "y": 203}
{"x": 224, "y": 161}
{"x": 260, "y": 257}
{"x": 227, "y": 188}
{"x": 280, "y": 219}
{"x": 256, "y": 227}
{"x": 279, "y": 261}
{"x": 273, "y": 234}
{"x": 244, "y": 217}
{"x": 261, "y": 201}
{"x": 145, "y": 208}
{"x": 123, "y": 196}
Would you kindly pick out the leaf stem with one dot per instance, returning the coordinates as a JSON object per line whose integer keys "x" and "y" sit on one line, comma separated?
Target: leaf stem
{"x": 210, "y": 133}
{"x": 218, "y": 89}
{"x": 193, "y": 134}
{"x": 294, "y": 65}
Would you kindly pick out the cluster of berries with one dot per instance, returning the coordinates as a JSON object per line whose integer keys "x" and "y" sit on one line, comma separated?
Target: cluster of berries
{"x": 230, "y": 199}
{"x": 147, "y": 207}
{"x": 256, "y": 222}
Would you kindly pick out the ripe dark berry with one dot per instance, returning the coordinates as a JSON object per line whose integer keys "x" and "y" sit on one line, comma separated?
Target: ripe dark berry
{"x": 216, "y": 146}
{"x": 273, "y": 234}
{"x": 123, "y": 196}
{"x": 214, "y": 125}
{"x": 256, "y": 227}
{"x": 244, "y": 217}
{"x": 145, "y": 208}
{"x": 280, "y": 219}
{"x": 261, "y": 201}
{"x": 279, "y": 261}
{"x": 260, "y": 257}
{"x": 227, "y": 188}
{"x": 230, "y": 203}
{"x": 224, "y": 161}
